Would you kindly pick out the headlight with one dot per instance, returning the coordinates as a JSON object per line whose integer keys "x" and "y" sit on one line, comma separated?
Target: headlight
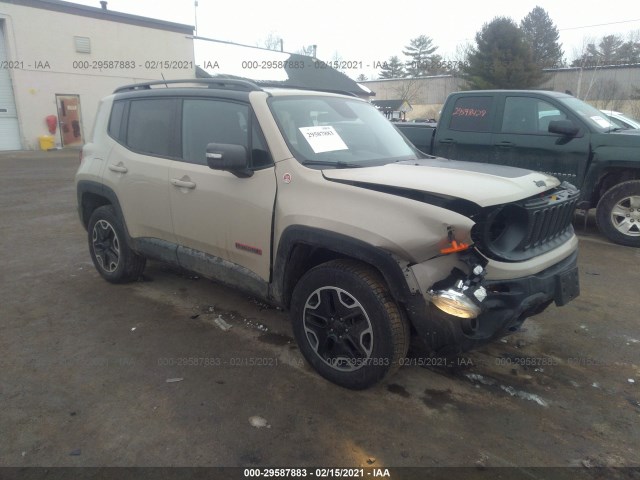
{"x": 456, "y": 303}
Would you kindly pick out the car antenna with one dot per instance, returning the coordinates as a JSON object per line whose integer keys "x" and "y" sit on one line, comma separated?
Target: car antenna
{"x": 165, "y": 80}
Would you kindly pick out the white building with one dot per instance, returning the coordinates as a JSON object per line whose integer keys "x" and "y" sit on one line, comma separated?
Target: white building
{"x": 59, "y": 58}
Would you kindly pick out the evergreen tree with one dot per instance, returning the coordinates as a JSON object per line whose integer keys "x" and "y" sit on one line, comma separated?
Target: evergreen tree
{"x": 629, "y": 52}
{"x": 393, "y": 68}
{"x": 611, "y": 50}
{"x": 419, "y": 52}
{"x": 542, "y": 36}
{"x": 502, "y": 58}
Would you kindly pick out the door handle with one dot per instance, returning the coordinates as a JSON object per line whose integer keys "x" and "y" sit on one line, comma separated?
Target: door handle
{"x": 182, "y": 183}
{"x": 446, "y": 140}
{"x": 504, "y": 144}
{"x": 118, "y": 168}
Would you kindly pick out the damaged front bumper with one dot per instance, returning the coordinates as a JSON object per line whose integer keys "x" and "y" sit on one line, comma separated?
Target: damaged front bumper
{"x": 495, "y": 307}
{"x": 510, "y": 302}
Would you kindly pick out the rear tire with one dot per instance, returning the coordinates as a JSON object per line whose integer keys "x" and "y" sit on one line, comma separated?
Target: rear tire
{"x": 618, "y": 213}
{"x": 111, "y": 255}
{"x": 347, "y": 325}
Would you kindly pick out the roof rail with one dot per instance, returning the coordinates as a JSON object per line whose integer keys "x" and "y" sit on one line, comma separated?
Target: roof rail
{"x": 223, "y": 83}
{"x": 276, "y": 84}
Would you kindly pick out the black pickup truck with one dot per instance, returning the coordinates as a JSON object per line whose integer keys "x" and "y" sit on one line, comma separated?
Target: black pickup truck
{"x": 549, "y": 132}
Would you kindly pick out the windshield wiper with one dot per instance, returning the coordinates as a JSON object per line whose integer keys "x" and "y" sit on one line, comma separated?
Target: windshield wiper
{"x": 328, "y": 163}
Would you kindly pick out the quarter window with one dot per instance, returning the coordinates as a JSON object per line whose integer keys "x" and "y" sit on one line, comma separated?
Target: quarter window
{"x": 115, "y": 121}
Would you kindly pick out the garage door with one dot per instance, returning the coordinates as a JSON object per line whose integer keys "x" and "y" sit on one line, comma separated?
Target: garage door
{"x": 9, "y": 131}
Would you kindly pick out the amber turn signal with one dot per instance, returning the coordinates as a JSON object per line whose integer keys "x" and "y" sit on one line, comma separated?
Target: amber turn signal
{"x": 455, "y": 247}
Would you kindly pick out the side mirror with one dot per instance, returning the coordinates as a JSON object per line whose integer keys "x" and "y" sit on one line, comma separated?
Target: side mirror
{"x": 563, "y": 127}
{"x": 229, "y": 157}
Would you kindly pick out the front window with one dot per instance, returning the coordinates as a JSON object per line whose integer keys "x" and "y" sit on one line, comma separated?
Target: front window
{"x": 526, "y": 115}
{"x": 338, "y": 131}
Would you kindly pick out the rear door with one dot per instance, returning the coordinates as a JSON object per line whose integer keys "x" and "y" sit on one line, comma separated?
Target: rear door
{"x": 522, "y": 138}
{"x": 216, "y": 212}
{"x": 465, "y": 133}
{"x": 137, "y": 168}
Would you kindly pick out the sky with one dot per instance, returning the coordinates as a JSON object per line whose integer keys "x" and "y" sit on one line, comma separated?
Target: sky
{"x": 369, "y": 32}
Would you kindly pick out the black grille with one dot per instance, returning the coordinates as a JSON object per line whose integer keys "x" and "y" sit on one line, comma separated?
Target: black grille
{"x": 522, "y": 230}
{"x": 551, "y": 219}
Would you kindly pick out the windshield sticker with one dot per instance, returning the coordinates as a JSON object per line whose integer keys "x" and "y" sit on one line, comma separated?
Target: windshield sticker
{"x": 323, "y": 139}
{"x": 601, "y": 121}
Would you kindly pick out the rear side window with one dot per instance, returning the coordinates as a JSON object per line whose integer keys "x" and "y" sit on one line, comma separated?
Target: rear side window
{"x": 149, "y": 128}
{"x": 472, "y": 114}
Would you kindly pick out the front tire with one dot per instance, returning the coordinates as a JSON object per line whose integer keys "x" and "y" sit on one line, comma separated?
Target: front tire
{"x": 618, "y": 213}
{"x": 347, "y": 325}
{"x": 110, "y": 253}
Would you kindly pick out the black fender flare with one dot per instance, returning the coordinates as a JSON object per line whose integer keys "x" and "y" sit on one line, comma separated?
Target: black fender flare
{"x": 385, "y": 262}
{"x": 100, "y": 190}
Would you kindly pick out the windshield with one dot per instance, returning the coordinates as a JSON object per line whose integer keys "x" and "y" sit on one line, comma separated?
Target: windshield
{"x": 339, "y": 132}
{"x": 589, "y": 114}
{"x": 622, "y": 121}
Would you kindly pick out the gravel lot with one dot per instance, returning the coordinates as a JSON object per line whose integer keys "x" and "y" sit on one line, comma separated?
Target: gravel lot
{"x": 142, "y": 375}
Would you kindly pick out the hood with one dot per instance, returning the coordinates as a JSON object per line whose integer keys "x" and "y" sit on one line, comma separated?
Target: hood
{"x": 482, "y": 184}
{"x": 627, "y": 140}
{"x": 628, "y": 131}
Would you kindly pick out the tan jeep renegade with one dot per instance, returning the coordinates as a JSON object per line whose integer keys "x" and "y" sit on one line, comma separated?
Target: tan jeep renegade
{"x": 316, "y": 203}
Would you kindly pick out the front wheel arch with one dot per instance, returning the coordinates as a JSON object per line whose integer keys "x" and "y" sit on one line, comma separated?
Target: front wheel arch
{"x": 299, "y": 244}
{"x": 347, "y": 325}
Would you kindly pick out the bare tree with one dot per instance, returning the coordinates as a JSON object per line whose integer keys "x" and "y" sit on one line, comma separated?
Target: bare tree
{"x": 607, "y": 94}
{"x": 408, "y": 89}
{"x": 336, "y": 61}
{"x": 308, "y": 50}
{"x": 580, "y": 60}
{"x": 461, "y": 57}
{"x": 271, "y": 42}
{"x": 634, "y": 104}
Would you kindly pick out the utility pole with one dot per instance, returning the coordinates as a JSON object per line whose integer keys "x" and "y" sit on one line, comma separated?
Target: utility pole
{"x": 195, "y": 12}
